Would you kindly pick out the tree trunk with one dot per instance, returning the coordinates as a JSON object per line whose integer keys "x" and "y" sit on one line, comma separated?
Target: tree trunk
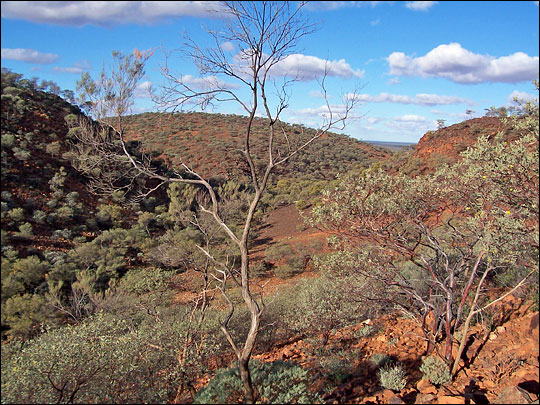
{"x": 247, "y": 384}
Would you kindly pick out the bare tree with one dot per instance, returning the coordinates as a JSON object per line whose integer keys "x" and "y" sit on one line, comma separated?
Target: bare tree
{"x": 264, "y": 34}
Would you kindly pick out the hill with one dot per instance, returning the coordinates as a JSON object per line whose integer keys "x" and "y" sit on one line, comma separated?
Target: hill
{"x": 100, "y": 289}
{"x": 212, "y": 144}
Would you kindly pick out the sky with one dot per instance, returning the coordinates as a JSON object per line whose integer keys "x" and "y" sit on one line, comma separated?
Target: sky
{"x": 412, "y": 63}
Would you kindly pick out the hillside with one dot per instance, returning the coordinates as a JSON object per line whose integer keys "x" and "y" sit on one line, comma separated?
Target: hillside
{"x": 444, "y": 145}
{"x": 113, "y": 301}
{"x": 212, "y": 144}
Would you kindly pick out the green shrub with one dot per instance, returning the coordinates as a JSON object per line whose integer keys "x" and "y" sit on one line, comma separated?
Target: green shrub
{"x": 365, "y": 331}
{"x": 25, "y": 314}
{"x": 393, "y": 377}
{"x": 435, "y": 370}
{"x": 25, "y": 230}
{"x": 39, "y": 217}
{"x": 284, "y": 271}
{"x": 278, "y": 252}
{"x": 103, "y": 360}
{"x": 278, "y": 382}
{"x": 258, "y": 269}
{"x": 338, "y": 369}
{"x": 16, "y": 214}
{"x": 379, "y": 359}
{"x": 145, "y": 280}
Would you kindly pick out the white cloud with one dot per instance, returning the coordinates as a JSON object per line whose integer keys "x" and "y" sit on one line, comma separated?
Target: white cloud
{"x": 410, "y": 118}
{"x": 228, "y": 46}
{"x": 317, "y": 94}
{"x": 420, "y": 5}
{"x": 207, "y": 82}
{"x": 104, "y": 13}
{"x": 28, "y": 55}
{"x": 375, "y": 22}
{"x": 412, "y": 123}
{"x": 521, "y": 95}
{"x": 419, "y": 99}
{"x": 77, "y": 68}
{"x": 306, "y": 67}
{"x": 462, "y": 66}
{"x": 143, "y": 90}
{"x": 336, "y": 5}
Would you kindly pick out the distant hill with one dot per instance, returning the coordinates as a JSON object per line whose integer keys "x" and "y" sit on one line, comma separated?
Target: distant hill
{"x": 212, "y": 144}
{"x": 393, "y": 146}
{"x": 444, "y": 145}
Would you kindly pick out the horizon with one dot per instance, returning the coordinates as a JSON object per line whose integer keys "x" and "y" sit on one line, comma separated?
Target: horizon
{"x": 414, "y": 62}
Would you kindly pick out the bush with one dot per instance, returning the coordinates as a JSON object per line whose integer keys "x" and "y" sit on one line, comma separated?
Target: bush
{"x": 145, "y": 280}
{"x": 379, "y": 359}
{"x": 25, "y": 230}
{"x": 278, "y": 382}
{"x": 365, "y": 331}
{"x": 101, "y": 361}
{"x": 393, "y": 377}
{"x": 435, "y": 370}
{"x": 16, "y": 214}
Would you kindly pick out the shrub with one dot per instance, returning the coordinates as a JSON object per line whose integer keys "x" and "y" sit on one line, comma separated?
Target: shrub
{"x": 25, "y": 230}
{"x": 39, "y": 217}
{"x": 284, "y": 271}
{"x": 16, "y": 214}
{"x": 102, "y": 360}
{"x": 379, "y": 359}
{"x": 258, "y": 269}
{"x": 435, "y": 370}
{"x": 145, "y": 280}
{"x": 278, "y": 382}
{"x": 365, "y": 331}
{"x": 393, "y": 377}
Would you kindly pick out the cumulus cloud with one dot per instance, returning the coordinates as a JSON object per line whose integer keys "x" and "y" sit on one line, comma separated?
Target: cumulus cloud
{"x": 227, "y": 46}
{"x": 29, "y": 56}
{"x": 410, "y": 118}
{"x": 335, "y": 5}
{"x": 410, "y": 122}
{"x": 207, "y": 82}
{"x": 419, "y": 99}
{"x": 77, "y": 68}
{"x": 459, "y": 65}
{"x": 420, "y": 5}
{"x": 143, "y": 90}
{"x": 306, "y": 67}
{"x": 104, "y": 13}
{"x": 522, "y": 96}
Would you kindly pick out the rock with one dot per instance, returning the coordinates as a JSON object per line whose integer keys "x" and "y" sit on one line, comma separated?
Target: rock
{"x": 424, "y": 398}
{"x": 447, "y": 399}
{"x": 513, "y": 395}
{"x": 396, "y": 400}
{"x": 425, "y": 387}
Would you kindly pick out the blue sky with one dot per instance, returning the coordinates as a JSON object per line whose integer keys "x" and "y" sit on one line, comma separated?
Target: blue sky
{"x": 413, "y": 62}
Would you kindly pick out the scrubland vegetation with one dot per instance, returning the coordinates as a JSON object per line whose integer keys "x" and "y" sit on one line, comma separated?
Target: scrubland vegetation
{"x": 126, "y": 275}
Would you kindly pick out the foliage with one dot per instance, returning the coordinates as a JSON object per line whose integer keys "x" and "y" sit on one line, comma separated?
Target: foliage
{"x": 278, "y": 382}
{"x": 100, "y": 361}
{"x": 26, "y": 314}
{"x": 393, "y": 377}
{"x": 379, "y": 359}
{"x": 445, "y": 235}
{"x": 145, "y": 280}
{"x": 435, "y": 370}
{"x": 321, "y": 305}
